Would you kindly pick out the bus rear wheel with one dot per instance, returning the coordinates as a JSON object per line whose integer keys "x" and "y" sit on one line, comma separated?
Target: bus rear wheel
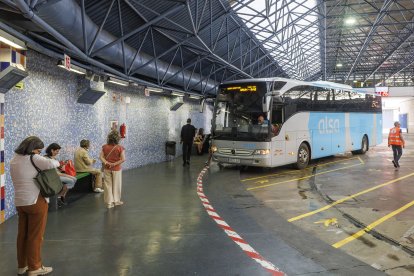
{"x": 364, "y": 146}
{"x": 303, "y": 157}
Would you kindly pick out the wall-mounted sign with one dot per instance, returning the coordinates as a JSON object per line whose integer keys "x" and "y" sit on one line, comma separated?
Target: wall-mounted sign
{"x": 382, "y": 91}
{"x": 146, "y": 92}
{"x": 19, "y": 85}
{"x": 66, "y": 60}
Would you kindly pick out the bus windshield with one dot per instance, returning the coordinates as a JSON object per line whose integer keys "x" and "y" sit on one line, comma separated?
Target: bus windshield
{"x": 237, "y": 112}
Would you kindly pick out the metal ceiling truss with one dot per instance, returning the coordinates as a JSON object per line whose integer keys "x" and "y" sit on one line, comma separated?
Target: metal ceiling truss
{"x": 205, "y": 38}
{"x": 218, "y": 40}
{"x": 377, "y": 48}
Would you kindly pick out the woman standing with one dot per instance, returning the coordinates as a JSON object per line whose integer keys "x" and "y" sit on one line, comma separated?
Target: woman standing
{"x": 112, "y": 156}
{"x": 31, "y": 205}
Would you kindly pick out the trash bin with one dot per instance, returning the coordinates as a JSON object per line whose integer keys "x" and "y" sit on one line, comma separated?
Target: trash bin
{"x": 170, "y": 147}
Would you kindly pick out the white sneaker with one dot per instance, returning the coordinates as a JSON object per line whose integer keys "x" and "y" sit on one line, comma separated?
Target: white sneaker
{"x": 98, "y": 190}
{"x": 119, "y": 203}
{"x": 22, "y": 270}
{"x": 43, "y": 270}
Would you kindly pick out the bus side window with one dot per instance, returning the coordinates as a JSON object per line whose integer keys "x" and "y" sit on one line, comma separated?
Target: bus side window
{"x": 277, "y": 114}
{"x": 277, "y": 118}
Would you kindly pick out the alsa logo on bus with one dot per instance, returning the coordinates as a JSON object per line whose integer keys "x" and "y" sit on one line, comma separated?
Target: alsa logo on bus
{"x": 328, "y": 126}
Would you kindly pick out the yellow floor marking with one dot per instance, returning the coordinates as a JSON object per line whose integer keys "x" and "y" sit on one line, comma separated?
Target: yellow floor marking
{"x": 290, "y": 172}
{"x": 348, "y": 198}
{"x": 372, "y": 226}
{"x": 300, "y": 178}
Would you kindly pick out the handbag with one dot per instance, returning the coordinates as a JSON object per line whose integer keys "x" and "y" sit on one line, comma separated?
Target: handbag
{"x": 70, "y": 168}
{"x": 48, "y": 181}
{"x": 103, "y": 165}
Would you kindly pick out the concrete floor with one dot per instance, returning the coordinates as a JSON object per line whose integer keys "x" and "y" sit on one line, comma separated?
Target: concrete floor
{"x": 163, "y": 229}
{"x": 293, "y": 193}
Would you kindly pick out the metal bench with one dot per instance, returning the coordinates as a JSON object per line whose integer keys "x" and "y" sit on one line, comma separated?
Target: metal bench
{"x": 83, "y": 185}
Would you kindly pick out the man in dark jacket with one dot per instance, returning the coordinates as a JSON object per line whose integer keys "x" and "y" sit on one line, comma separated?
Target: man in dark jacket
{"x": 187, "y": 136}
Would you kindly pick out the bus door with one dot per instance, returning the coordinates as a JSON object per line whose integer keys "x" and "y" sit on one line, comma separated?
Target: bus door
{"x": 278, "y": 139}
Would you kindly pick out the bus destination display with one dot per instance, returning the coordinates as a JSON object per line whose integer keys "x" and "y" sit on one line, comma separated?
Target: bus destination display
{"x": 242, "y": 89}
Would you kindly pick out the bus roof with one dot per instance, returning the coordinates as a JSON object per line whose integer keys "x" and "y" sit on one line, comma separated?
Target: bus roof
{"x": 333, "y": 85}
{"x": 293, "y": 82}
{"x": 298, "y": 82}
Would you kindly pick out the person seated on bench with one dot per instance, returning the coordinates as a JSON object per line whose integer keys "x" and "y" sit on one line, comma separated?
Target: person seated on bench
{"x": 69, "y": 181}
{"x": 83, "y": 163}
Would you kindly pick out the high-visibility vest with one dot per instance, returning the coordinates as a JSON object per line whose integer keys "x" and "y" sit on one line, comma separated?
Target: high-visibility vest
{"x": 394, "y": 137}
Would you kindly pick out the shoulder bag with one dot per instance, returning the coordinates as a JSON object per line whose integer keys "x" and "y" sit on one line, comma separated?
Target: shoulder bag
{"x": 48, "y": 181}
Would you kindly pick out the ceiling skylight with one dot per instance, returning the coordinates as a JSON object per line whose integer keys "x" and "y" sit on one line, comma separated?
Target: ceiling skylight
{"x": 288, "y": 30}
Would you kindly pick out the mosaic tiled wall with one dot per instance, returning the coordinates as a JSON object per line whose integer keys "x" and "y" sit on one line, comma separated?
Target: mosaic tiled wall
{"x": 47, "y": 107}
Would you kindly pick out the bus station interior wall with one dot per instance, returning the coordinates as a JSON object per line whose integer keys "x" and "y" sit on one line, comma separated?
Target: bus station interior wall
{"x": 393, "y": 107}
{"x": 47, "y": 107}
{"x": 407, "y": 107}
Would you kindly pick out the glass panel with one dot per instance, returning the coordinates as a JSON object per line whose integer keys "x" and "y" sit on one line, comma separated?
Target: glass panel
{"x": 238, "y": 110}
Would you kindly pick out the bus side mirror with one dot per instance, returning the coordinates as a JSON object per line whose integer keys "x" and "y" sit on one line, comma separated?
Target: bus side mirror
{"x": 266, "y": 104}
{"x": 277, "y": 99}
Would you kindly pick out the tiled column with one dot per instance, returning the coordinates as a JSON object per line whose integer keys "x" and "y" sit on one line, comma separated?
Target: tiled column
{"x": 2, "y": 178}
{"x": 8, "y": 56}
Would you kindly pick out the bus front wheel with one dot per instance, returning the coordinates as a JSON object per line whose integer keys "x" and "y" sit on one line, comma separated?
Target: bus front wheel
{"x": 303, "y": 156}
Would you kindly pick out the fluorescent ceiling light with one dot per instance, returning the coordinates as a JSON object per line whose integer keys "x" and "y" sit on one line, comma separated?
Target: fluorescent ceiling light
{"x": 73, "y": 68}
{"x": 355, "y": 81}
{"x": 178, "y": 94}
{"x": 350, "y": 21}
{"x": 339, "y": 65}
{"x": 117, "y": 81}
{"x": 195, "y": 97}
{"x": 154, "y": 89}
{"x": 12, "y": 41}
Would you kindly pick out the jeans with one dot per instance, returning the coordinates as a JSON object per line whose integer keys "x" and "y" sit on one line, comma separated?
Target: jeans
{"x": 70, "y": 182}
{"x": 397, "y": 150}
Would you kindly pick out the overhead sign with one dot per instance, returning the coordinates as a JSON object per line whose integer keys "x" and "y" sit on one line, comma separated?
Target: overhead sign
{"x": 382, "y": 91}
{"x": 66, "y": 60}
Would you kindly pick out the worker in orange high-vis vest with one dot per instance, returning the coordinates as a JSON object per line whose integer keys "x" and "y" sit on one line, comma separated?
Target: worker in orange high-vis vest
{"x": 396, "y": 141}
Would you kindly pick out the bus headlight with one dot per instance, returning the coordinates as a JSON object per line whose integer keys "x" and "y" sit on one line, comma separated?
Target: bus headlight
{"x": 262, "y": 152}
{"x": 213, "y": 148}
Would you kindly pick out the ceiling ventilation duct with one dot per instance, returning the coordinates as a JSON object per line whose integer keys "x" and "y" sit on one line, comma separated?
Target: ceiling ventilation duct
{"x": 177, "y": 103}
{"x": 93, "y": 91}
{"x": 65, "y": 16}
{"x": 10, "y": 76}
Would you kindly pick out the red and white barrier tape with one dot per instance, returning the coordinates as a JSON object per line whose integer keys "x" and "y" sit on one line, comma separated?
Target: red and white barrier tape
{"x": 230, "y": 232}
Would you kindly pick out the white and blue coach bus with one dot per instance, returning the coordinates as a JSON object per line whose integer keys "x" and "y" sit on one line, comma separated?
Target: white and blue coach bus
{"x": 302, "y": 121}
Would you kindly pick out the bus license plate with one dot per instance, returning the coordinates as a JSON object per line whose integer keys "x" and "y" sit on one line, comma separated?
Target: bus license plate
{"x": 234, "y": 160}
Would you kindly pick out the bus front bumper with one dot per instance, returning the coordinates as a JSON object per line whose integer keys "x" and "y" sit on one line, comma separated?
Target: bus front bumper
{"x": 252, "y": 160}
